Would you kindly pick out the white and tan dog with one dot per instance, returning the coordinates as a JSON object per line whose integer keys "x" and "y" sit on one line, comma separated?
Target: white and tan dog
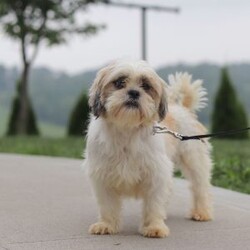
{"x": 123, "y": 156}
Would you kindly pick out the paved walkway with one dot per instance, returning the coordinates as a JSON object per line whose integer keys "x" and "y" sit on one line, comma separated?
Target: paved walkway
{"x": 46, "y": 203}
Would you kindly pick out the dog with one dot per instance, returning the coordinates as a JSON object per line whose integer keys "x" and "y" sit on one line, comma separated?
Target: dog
{"x": 125, "y": 159}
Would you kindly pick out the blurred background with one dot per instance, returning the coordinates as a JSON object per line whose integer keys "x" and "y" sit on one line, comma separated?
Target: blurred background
{"x": 50, "y": 51}
{"x": 200, "y": 39}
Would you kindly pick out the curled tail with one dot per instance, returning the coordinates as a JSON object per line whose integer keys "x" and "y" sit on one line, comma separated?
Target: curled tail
{"x": 182, "y": 91}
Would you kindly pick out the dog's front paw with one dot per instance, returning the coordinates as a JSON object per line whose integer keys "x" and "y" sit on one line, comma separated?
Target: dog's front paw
{"x": 201, "y": 215}
{"x": 102, "y": 228}
{"x": 156, "y": 231}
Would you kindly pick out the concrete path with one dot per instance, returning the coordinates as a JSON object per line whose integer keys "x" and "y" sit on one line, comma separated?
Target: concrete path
{"x": 46, "y": 203}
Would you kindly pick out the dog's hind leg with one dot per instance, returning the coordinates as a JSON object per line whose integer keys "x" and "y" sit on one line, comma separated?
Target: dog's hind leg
{"x": 196, "y": 165}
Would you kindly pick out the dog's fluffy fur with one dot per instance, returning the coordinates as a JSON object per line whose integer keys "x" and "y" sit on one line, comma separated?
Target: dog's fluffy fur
{"x": 123, "y": 156}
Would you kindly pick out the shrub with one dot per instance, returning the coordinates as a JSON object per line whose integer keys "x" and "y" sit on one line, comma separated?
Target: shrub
{"x": 30, "y": 126}
{"x": 228, "y": 113}
{"x": 78, "y": 121}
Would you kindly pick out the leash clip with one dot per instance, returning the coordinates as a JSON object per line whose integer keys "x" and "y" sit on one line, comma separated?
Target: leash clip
{"x": 163, "y": 130}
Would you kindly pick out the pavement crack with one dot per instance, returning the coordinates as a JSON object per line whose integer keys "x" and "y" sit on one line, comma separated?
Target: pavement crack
{"x": 43, "y": 241}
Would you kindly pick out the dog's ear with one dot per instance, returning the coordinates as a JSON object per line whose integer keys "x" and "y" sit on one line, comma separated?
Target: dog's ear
{"x": 163, "y": 106}
{"x": 97, "y": 107}
{"x": 96, "y": 103}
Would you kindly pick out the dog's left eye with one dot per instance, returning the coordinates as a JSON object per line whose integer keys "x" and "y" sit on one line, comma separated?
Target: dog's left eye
{"x": 120, "y": 83}
{"x": 145, "y": 85}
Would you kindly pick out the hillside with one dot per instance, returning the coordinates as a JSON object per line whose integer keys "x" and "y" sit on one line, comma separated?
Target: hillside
{"x": 55, "y": 93}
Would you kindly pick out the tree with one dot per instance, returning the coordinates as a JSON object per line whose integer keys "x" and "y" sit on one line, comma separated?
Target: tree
{"x": 78, "y": 121}
{"x": 229, "y": 113}
{"x": 31, "y": 23}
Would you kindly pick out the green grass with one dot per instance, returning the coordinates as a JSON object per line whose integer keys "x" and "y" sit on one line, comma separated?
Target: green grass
{"x": 231, "y": 157}
{"x": 232, "y": 164}
{"x": 51, "y": 130}
{"x": 3, "y": 120}
{"x": 66, "y": 147}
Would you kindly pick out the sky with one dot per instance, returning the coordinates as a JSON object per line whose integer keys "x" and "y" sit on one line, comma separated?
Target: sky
{"x": 204, "y": 31}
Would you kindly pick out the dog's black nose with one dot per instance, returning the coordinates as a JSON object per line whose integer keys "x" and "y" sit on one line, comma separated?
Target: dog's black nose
{"x": 134, "y": 94}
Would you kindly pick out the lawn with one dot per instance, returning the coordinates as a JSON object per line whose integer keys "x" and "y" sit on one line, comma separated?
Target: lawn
{"x": 232, "y": 164}
{"x": 231, "y": 157}
{"x": 66, "y": 147}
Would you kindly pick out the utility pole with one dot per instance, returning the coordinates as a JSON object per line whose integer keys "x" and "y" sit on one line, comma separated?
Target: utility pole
{"x": 144, "y": 33}
{"x": 143, "y": 9}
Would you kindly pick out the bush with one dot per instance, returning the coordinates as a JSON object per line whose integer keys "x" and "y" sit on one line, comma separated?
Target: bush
{"x": 30, "y": 126}
{"x": 229, "y": 113}
{"x": 78, "y": 121}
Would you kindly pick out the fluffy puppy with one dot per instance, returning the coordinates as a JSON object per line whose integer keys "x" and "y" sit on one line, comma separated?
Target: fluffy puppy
{"x": 123, "y": 156}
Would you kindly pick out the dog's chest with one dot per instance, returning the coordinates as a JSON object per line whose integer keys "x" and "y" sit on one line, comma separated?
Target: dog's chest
{"x": 125, "y": 161}
{"x": 129, "y": 155}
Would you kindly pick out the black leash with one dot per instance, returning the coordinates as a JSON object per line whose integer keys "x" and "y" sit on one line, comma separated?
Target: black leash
{"x": 161, "y": 130}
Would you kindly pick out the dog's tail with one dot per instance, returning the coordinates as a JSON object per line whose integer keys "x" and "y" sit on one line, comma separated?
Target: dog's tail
{"x": 183, "y": 91}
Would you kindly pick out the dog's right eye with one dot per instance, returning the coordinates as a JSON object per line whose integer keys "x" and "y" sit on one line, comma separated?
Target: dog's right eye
{"x": 120, "y": 83}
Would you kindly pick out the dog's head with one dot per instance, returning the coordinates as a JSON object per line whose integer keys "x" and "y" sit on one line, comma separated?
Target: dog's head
{"x": 128, "y": 94}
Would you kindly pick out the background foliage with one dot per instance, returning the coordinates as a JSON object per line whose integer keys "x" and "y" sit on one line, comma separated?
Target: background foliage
{"x": 54, "y": 93}
{"x": 13, "y": 121}
{"x": 32, "y": 23}
{"x": 78, "y": 122}
{"x": 228, "y": 112}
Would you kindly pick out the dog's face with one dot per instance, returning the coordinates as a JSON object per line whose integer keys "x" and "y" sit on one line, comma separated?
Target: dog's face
{"x": 128, "y": 94}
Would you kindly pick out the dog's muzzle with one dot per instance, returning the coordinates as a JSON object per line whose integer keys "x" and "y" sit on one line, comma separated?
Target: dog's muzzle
{"x": 132, "y": 102}
{"x": 133, "y": 94}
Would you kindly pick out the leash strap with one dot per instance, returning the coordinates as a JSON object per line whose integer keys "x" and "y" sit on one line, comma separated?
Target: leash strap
{"x": 162, "y": 130}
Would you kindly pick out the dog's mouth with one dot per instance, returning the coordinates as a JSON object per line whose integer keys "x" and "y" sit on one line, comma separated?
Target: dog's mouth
{"x": 133, "y": 104}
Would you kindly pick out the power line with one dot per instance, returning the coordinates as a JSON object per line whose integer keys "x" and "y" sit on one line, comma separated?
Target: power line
{"x": 144, "y": 9}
